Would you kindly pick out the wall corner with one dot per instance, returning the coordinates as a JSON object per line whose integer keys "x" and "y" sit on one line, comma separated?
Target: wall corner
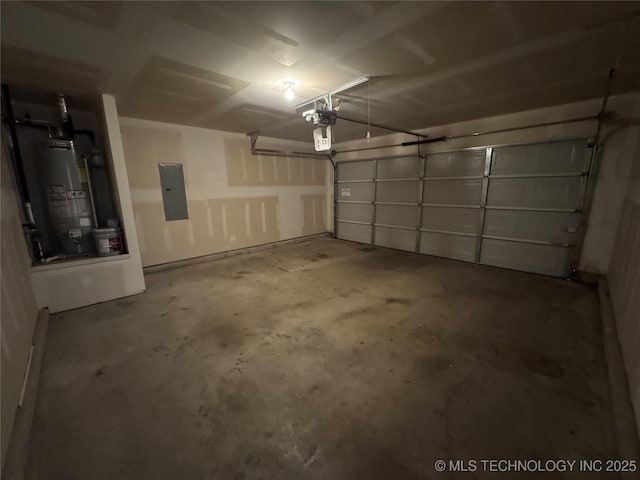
{"x": 121, "y": 181}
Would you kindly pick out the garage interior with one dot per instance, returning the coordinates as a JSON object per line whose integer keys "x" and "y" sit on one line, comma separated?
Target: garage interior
{"x": 253, "y": 240}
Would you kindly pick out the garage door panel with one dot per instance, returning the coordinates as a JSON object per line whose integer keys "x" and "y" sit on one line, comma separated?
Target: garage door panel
{"x": 408, "y": 167}
{"x": 399, "y": 215}
{"x": 523, "y": 214}
{"x": 555, "y": 227}
{"x": 354, "y": 232}
{"x": 527, "y": 257}
{"x": 463, "y": 220}
{"x": 356, "y": 192}
{"x": 456, "y": 164}
{"x": 450, "y": 246}
{"x": 396, "y": 238}
{"x": 402, "y": 192}
{"x": 355, "y": 212}
{"x": 453, "y": 192}
{"x": 356, "y": 171}
{"x": 554, "y": 192}
{"x": 561, "y": 157}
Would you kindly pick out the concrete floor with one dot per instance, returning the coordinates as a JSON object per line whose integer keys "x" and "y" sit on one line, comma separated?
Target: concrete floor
{"x": 323, "y": 360}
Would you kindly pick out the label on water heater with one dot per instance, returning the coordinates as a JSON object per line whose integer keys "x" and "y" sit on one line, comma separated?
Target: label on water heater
{"x": 85, "y": 222}
{"x": 108, "y": 245}
{"x": 114, "y": 243}
{"x": 73, "y": 194}
{"x": 56, "y": 192}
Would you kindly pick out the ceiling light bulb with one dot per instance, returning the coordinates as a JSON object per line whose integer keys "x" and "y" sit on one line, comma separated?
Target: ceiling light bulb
{"x": 288, "y": 92}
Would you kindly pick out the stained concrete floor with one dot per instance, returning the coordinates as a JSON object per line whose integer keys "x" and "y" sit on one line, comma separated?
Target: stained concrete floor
{"x": 323, "y": 360}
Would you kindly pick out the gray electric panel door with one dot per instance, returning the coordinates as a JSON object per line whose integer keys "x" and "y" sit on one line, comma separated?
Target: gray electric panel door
{"x": 173, "y": 194}
{"x": 516, "y": 207}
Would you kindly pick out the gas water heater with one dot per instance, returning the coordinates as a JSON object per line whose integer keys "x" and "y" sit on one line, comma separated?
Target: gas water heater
{"x": 68, "y": 196}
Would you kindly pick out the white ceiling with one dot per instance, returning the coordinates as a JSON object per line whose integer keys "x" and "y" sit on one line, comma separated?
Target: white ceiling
{"x": 223, "y": 65}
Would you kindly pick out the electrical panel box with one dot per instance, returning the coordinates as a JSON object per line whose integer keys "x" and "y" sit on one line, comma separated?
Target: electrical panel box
{"x": 174, "y": 196}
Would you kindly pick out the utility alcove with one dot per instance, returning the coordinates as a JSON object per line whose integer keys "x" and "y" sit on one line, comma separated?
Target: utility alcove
{"x": 64, "y": 179}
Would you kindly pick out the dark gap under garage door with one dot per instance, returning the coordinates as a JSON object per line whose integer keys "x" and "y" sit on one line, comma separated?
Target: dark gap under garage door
{"x": 517, "y": 207}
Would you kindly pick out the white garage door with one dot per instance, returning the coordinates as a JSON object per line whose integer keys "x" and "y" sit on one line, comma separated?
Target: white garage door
{"x": 516, "y": 207}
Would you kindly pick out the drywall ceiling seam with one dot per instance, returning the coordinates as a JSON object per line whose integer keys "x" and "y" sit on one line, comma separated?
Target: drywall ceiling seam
{"x": 186, "y": 44}
{"x": 383, "y": 23}
{"x": 171, "y": 93}
{"x": 510, "y": 53}
{"x": 407, "y": 44}
{"x": 131, "y": 50}
{"x": 194, "y": 78}
{"x": 54, "y": 34}
{"x": 489, "y": 99}
{"x": 251, "y": 94}
{"x": 212, "y": 8}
